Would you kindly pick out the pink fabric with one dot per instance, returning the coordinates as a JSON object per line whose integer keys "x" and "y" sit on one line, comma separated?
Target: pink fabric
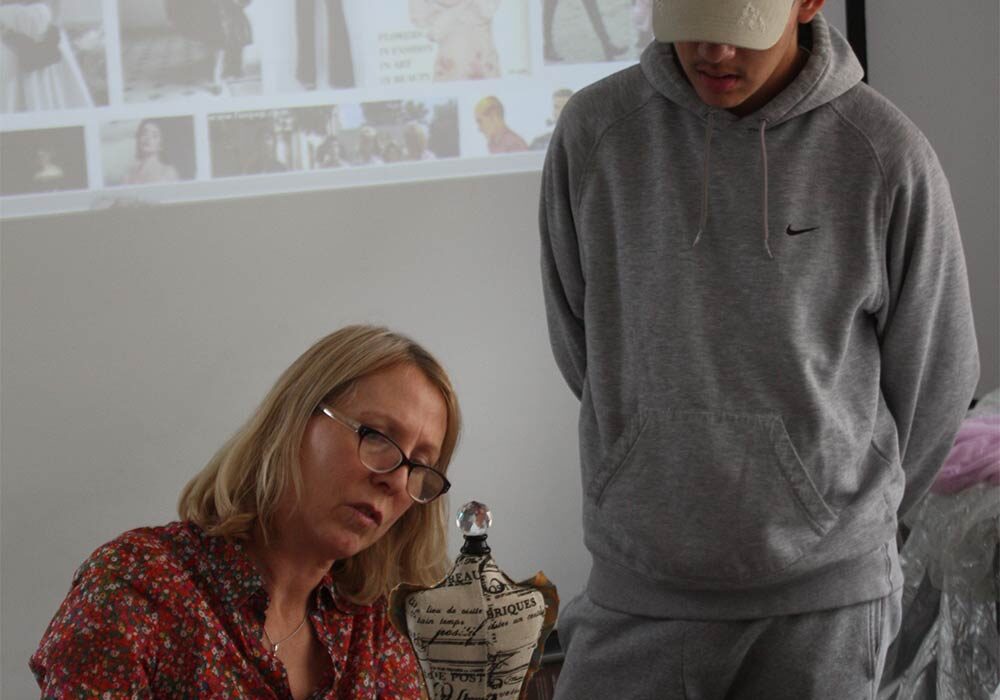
{"x": 974, "y": 458}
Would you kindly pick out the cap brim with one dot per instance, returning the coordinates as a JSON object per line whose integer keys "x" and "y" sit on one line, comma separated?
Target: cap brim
{"x": 749, "y": 25}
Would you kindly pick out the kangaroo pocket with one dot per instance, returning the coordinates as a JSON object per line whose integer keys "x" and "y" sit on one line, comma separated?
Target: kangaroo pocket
{"x": 711, "y": 497}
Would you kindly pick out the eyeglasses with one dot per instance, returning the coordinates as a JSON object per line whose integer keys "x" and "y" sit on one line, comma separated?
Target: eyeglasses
{"x": 381, "y": 455}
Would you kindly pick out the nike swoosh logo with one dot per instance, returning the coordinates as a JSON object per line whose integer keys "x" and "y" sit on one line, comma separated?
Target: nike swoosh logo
{"x": 793, "y": 232}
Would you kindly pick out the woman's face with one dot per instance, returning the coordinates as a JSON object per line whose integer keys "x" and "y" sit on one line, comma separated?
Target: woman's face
{"x": 345, "y": 507}
{"x": 150, "y": 138}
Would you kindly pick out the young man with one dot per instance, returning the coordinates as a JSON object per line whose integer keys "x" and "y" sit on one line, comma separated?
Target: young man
{"x": 492, "y": 123}
{"x": 755, "y": 285}
{"x": 559, "y": 99}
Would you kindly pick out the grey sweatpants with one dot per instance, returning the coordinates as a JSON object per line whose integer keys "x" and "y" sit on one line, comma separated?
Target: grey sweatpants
{"x": 827, "y": 655}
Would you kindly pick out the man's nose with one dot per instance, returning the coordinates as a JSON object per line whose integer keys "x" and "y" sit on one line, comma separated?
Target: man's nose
{"x": 716, "y": 53}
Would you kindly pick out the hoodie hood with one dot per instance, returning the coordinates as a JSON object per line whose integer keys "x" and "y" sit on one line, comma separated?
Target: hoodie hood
{"x": 832, "y": 70}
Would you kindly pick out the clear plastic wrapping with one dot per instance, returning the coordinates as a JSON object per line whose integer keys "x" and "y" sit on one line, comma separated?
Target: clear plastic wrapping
{"x": 949, "y": 646}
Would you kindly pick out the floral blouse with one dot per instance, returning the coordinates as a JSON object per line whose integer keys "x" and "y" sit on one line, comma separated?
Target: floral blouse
{"x": 170, "y": 612}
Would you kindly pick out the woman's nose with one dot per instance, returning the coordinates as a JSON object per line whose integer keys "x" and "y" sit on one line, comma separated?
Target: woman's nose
{"x": 394, "y": 481}
{"x": 716, "y": 53}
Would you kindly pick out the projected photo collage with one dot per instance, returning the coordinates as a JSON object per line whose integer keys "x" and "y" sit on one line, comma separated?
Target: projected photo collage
{"x": 99, "y": 95}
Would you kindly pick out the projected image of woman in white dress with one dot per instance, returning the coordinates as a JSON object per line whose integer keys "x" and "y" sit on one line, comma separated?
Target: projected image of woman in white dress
{"x": 39, "y": 66}
{"x": 463, "y": 32}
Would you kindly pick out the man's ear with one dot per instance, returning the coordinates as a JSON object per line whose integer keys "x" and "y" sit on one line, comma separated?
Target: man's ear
{"x": 808, "y": 10}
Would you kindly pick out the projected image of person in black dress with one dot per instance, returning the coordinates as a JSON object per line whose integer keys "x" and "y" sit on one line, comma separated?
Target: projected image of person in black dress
{"x": 176, "y": 49}
{"x": 325, "y": 42}
{"x": 223, "y": 27}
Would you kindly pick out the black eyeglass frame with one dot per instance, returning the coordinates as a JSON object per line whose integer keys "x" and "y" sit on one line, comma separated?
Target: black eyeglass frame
{"x": 363, "y": 431}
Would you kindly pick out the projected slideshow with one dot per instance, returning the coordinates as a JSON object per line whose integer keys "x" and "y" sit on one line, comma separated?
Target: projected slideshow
{"x": 126, "y": 102}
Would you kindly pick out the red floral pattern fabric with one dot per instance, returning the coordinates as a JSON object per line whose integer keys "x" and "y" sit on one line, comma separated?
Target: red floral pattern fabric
{"x": 170, "y": 612}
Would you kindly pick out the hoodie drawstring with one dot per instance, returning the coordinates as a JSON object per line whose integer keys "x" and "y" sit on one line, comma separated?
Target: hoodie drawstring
{"x": 703, "y": 220}
{"x": 763, "y": 158}
{"x": 704, "y": 180}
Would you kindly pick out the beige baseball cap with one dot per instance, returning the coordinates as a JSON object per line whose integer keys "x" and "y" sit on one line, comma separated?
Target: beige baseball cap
{"x": 752, "y": 24}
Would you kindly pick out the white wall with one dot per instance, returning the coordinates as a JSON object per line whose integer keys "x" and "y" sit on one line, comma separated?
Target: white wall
{"x": 937, "y": 61}
{"x": 135, "y": 341}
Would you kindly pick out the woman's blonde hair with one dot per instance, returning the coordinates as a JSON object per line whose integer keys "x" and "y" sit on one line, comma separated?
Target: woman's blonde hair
{"x": 238, "y": 491}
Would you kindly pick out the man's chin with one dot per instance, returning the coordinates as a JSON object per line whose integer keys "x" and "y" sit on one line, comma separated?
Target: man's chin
{"x": 726, "y": 101}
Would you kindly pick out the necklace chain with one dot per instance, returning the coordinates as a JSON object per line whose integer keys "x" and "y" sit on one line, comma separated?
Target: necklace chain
{"x": 274, "y": 645}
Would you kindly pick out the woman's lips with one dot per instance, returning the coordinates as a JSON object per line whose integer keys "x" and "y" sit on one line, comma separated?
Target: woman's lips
{"x": 366, "y": 515}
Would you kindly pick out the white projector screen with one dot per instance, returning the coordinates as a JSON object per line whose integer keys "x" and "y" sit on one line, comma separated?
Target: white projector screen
{"x": 118, "y": 102}
{"x": 176, "y": 100}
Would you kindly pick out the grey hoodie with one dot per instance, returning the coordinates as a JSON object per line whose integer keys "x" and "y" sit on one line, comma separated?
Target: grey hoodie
{"x": 767, "y": 322}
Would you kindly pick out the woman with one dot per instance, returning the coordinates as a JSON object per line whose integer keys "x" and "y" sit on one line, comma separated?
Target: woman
{"x": 274, "y": 583}
{"x": 151, "y": 162}
{"x": 38, "y": 69}
{"x": 463, "y": 31}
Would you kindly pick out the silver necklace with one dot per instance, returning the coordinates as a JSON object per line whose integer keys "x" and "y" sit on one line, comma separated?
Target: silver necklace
{"x": 274, "y": 645}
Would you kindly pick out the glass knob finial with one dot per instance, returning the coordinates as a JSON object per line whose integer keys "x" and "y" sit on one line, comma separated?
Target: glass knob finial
{"x": 474, "y": 519}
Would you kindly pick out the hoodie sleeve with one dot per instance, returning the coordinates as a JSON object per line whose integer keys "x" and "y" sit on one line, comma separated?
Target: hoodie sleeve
{"x": 930, "y": 362}
{"x": 563, "y": 281}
